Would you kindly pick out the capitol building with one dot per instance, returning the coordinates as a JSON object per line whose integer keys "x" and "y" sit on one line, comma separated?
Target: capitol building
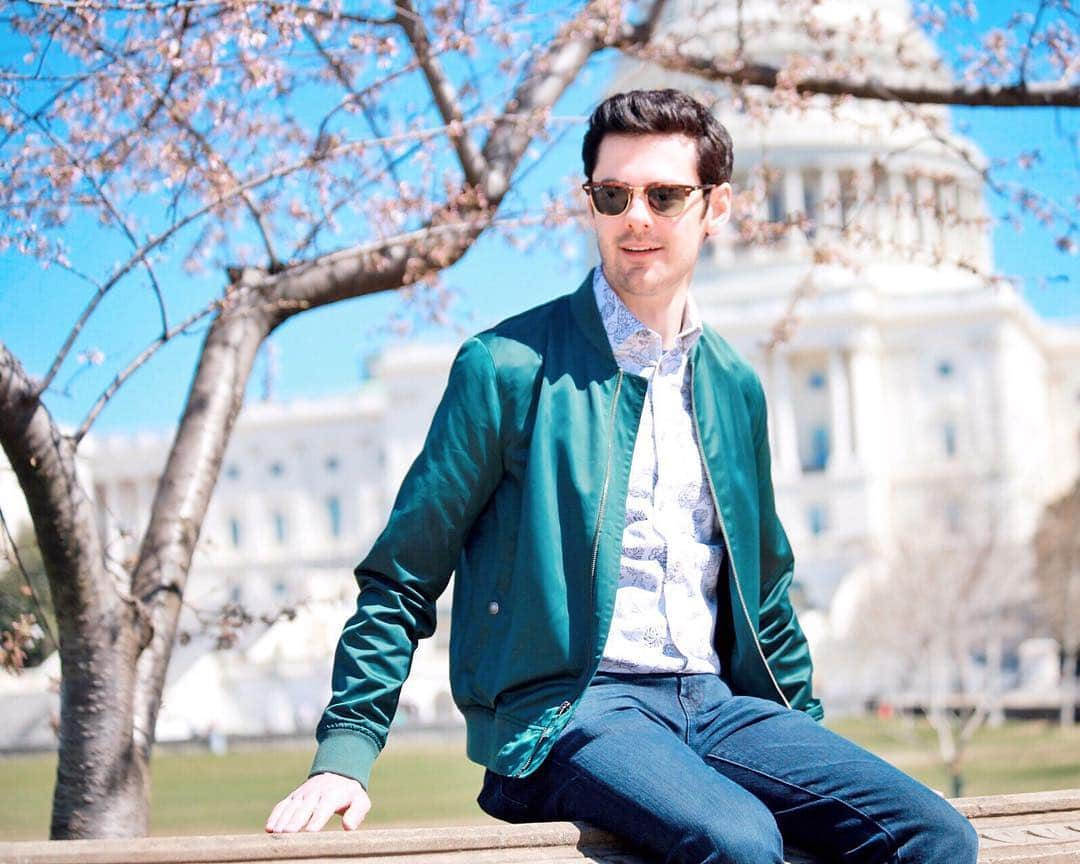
{"x": 921, "y": 416}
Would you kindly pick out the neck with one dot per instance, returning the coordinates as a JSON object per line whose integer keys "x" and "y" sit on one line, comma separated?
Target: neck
{"x": 662, "y": 313}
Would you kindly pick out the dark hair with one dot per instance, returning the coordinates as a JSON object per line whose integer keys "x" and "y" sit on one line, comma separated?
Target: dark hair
{"x": 662, "y": 112}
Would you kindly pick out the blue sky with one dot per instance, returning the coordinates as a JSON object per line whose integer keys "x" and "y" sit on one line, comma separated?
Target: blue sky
{"x": 322, "y": 351}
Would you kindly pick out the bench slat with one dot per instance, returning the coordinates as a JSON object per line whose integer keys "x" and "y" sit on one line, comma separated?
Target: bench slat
{"x": 1034, "y": 828}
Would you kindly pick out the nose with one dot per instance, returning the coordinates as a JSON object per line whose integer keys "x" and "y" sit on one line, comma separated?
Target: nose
{"x": 638, "y": 216}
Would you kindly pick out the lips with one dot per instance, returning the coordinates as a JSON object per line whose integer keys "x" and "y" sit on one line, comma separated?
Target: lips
{"x": 639, "y": 249}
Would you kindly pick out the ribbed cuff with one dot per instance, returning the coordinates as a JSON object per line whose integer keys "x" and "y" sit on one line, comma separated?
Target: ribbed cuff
{"x": 350, "y": 754}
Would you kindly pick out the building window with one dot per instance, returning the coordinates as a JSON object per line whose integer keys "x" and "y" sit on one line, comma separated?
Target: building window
{"x": 949, "y": 439}
{"x": 816, "y": 381}
{"x": 235, "y": 533}
{"x": 819, "y": 449}
{"x": 236, "y": 593}
{"x": 280, "y": 588}
{"x": 333, "y": 512}
{"x": 776, "y": 204}
{"x": 232, "y": 472}
{"x": 280, "y": 528}
{"x": 849, "y": 197}
{"x": 812, "y": 203}
{"x": 332, "y": 464}
{"x": 819, "y": 519}
{"x": 276, "y": 469}
{"x": 945, "y": 369}
{"x": 911, "y": 186}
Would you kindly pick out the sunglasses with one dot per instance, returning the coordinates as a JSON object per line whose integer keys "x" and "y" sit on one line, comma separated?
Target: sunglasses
{"x": 664, "y": 199}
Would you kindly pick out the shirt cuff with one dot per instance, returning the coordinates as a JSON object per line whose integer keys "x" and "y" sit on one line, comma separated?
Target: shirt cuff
{"x": 350, "y": 754}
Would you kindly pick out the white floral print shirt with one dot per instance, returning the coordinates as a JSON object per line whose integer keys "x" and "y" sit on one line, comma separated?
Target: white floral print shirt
{"x": 665, "y": 605}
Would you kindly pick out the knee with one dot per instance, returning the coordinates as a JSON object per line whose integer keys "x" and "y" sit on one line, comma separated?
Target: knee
{"x": 960, "y": 841}
{"x": 952, "y": 839}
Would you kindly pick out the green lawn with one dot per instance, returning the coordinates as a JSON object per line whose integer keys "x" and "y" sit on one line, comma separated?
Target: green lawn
{"x": 414, "y": 784}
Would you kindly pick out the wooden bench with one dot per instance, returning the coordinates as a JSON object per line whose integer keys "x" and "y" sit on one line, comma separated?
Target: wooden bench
{"x": 1037, "y": 828}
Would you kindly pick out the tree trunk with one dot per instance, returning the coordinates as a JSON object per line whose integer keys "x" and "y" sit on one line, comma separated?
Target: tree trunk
{"x": 115, "y": 642}
{"x": 101, "y": 782}
{"x": 187, "y": 482}
{"x": 1069, "y": 686}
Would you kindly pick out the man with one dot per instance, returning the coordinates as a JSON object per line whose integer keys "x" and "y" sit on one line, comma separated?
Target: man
{"x": 623, "y": 647}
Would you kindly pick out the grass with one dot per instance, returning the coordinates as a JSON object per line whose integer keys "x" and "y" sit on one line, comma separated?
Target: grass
{"x": 198, "y": 793}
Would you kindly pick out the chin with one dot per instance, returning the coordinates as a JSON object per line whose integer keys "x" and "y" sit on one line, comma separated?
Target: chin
{"x": 644, "y": 280}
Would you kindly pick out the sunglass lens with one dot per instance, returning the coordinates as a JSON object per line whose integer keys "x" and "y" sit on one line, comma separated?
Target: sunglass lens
{"x": 610, "y": 200}
{"x": 667, "y": 200}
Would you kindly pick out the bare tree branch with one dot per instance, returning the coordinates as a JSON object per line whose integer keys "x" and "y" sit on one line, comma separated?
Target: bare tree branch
{"x": 179, "y": 116}
{"x": 42, "y": 619}
{"x": 472, "y": 161}
{"x": 169, "y": 5}
{"x": 343, "y": 78}
{"x": 1025, "y": 54}
{"x": 143, "y": 356}
{"x": 99, "y": 191}
{"x": 1035, "y": 95}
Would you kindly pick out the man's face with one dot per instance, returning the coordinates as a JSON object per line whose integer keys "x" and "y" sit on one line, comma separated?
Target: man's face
{"x": 644, "y": 254}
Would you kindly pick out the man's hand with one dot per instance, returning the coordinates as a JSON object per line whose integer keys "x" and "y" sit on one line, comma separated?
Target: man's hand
{"x": 316, "y": 800}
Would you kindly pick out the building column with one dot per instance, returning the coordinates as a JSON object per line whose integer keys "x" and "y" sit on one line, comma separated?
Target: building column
{"x": 975, "y": 233}
{"x": 782, "y": 410}
{"x": 759, "y": 216}
{"x": 841, "y": 456}
{"x": 831, "y": 214}
{"x": 929, "y": 229}
{"x": 870, "y": 428}
{"x": 983, "y": 242}
{"x": 867, "y": 408}
{"x": 902, "y": 217}
{"x": 952, "y": 231}
{"x": 794, "y": 202}
{"x": 865, "y": 220}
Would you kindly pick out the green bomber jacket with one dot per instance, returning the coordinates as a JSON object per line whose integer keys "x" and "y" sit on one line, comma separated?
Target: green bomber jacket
{"x": 520, "y": 489}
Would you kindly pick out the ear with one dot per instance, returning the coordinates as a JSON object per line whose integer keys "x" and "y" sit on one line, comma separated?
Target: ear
{"x": 719, "y": 208}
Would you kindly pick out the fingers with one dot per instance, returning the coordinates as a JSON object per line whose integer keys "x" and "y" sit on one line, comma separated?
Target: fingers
{"x": 352, "y": 818}
{"x": 321, "y": 812}
{"x": 297, "y": 813}
{"x": 275, "y": 816}
{"x": 312, "y": 804}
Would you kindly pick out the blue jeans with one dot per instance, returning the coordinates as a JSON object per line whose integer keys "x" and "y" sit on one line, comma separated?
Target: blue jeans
{"x": 687, "y": 772}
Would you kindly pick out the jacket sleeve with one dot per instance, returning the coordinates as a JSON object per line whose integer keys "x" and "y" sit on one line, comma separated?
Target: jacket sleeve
{"x": 782, "y": 640}
{"x": 410, "y": 564}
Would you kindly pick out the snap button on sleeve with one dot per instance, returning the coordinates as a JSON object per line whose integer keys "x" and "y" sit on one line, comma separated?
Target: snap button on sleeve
{"x": 493, "y": 608}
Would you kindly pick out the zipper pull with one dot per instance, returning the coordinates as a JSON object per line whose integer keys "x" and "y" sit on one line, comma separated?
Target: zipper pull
{"x": 559, "y": 713}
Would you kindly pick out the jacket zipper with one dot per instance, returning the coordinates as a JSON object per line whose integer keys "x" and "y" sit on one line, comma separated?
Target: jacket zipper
{"x": 604, "y": 488}
{"x": 727, "y": 544}
{"x": 546, "y": 733}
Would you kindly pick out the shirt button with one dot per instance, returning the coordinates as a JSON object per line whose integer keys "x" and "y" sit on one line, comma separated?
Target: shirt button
{"x": 493, "y": 608}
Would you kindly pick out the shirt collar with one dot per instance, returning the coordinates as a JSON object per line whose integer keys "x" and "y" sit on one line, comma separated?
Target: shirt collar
{"x": 632, "y": 343}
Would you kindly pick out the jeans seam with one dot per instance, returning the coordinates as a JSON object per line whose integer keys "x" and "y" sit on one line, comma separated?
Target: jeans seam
{"x": 686, "y": 713}
{"x": 894, "y": 858}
